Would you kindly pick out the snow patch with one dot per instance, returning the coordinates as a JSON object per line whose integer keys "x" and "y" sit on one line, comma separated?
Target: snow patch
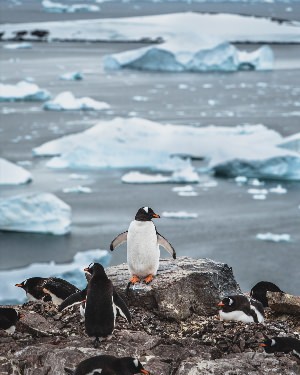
{"x": 66, "y": 101}
{"x": 36, "y": 213}
{"x": 274, "y": 237}
{"x": 12, "y": 174}
{"x": 22, "y": 91}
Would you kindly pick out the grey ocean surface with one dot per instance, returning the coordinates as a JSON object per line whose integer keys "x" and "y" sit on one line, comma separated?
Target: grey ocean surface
{"x": 228, "y": 217}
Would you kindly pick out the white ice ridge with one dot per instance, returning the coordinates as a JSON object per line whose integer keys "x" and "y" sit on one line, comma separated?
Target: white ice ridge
{"x": 54, "y": 7}
{"x": 72, "y": 272}
{"x": 249, "y": 150}
{"x": 274, "y": 237}
{"x": 36, "y": 213}
{"x": 23, "y": 45}
{"x": 179, "y": 215}
{"x": 12, "y": 174}
{"x": 187, "y": 174}
{"x": 229, "y": 27}
{"x": 66, "y": 101}
{"x": 22, "y": 91}
{"x": 192, "y": 53}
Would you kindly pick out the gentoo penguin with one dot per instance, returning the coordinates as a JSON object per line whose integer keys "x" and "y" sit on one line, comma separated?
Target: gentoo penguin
{"x": 109, "y": 365}
{"x": 282, "y": 344}
{"x": 259, "y": 291}
{"x": 8, "y": 319}
{"x": 34, "y": 289}
{"x": 143, "y": 242}
{"x": 241, "y": 309}
{"x": 58, "y": 289}
{"x": 102, "y": 304}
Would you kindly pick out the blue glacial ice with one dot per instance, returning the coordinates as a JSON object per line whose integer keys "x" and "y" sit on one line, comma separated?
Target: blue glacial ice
{"x": 22, "y": 91}
{"x": 72, "y": 272}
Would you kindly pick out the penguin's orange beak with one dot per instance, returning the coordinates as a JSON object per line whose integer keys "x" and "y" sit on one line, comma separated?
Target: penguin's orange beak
{"x": 19, "y": 285}
{"x": 221, "y": 304}
{"x": 155, "y": 216}
{"x": 145, "y": 372}
{"x": 86, "y": 269}
{"x": 263, "y": 344}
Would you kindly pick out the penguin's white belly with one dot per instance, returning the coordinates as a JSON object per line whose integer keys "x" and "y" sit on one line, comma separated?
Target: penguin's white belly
{"x": 142, "y": 249}
{"x": 236, "y": 315}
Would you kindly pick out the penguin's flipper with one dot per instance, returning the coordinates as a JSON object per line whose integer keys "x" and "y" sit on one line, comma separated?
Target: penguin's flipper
{"x": 121, "y": 238}
{"x": 166, "y": 245}
{"x": 74, "y": 299}
{"x": 121, "y": 307}
{"x": 69, "y": 371}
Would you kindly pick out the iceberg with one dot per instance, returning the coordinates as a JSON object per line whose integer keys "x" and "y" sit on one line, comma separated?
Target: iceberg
{"x": 291, "y": 143}
{"x": 193, "y": 54}
{"x": 12, "y": 174}
{"x": 179, "y": 215}
{"x": 184, "y": 175}
{"x": 14, "y": 46}
{"x": 274, "y": 237}
{"x": 36, "y": 213}
{"x": 71, "y": 76}
{"x": 65, "y": 101}
{"x": 249, "y": 150}
{"x": 22, "y": 91}
{"x": 51, "y": 6}
{"x": 72, "y": 272}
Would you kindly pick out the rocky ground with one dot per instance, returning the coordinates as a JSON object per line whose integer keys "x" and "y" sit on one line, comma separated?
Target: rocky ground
{"x": 175, "y": 330}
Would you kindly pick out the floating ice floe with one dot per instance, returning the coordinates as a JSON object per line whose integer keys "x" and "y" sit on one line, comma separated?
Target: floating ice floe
{"x": 241, "y": 179}
{"x": 78, "y": 189}
{"x": 278, "y": 190}
{"x": 274, "y": 237}
{"x": 194, "y": 54}
{"x": 36, "y": 213}
{"x": 76, "y": 176}
{"x": 249, "y": 150}
{"x": 291, "y": 143}
{"x": 53, "y": 7}
{"x": 71, "y": 76}
{"x": 184, "y": 175}
{"x": 66, "y": 101}
{"x": 229, "y": 27}
{"x": 22, "y": 91}
{"x": 14, "y": 46}
{"x": 72, "y": 272}
{"x": 12, "y": 174}
{"x": 179, "y": 215}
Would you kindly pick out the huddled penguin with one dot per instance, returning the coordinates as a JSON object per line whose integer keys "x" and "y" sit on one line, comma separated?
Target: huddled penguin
{"x": 240, "y": 308}
{"x": 109, "y": 365}
{"x": 33, "y": 288}
{"x": 259, "y": 291}
{"x": 143, "y": 242}
{"x": 8, "y": 319}
{"x": 58, "y": 289}
{"x": 102, "y": 304}
{"x": 282, "y": 344}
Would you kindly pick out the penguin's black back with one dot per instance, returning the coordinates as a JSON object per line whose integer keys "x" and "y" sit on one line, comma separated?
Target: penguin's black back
{"x": 59, "y": 287}
{"x": 8, "y": 317}
{"x": 259, "y": 291}
{"x": 99, "y": 315}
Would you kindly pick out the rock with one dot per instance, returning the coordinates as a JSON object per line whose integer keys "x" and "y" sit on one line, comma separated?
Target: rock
{"x": 284, "y": 303}
{"x": 37, "y": 325}
{"x": 181, "y": 288}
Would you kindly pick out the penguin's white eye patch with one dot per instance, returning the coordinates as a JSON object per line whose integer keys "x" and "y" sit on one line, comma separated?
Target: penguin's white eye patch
{"x": 24, "y": 282}
{"x": 230, "y": 301}
{"x": 146, "y": 209}
{"x": 273, "y": 342}
{"x": 136, "y": 362}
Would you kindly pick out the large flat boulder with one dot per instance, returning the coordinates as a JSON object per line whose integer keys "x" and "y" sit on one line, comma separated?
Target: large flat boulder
{"x": 284, "y": 303}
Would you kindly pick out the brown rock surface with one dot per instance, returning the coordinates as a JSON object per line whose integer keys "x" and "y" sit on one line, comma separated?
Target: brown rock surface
{"x": 284, "y": 303}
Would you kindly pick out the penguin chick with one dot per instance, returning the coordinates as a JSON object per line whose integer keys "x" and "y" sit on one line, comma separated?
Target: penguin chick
{"x": 58, "y": 289}
{"x": 259, "y": 291}
{"x": 240, "y": 308}
{"x": 109, "y": 365}
{"x": 282, "y": 344}
{"x": 8, "y": 319}
{"x": 143, "y": 242}
{"x": 34, "y": 289}
{"x": 102, "y": 304}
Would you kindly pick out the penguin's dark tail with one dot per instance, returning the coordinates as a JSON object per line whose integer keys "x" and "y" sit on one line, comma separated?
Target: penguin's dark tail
{"x": 69, "y": 371}
{"x": 96, "y": 342}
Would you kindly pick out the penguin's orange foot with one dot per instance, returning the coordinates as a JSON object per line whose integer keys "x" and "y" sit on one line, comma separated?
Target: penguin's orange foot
{"x": 134, "y": 279}
{"x": 148, "y": 279}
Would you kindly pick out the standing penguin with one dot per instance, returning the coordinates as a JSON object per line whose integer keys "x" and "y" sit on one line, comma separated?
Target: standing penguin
{"x": 239, "y": 308}
{"x": 143, "y": 242}
{"x": 8, "y": 319}
{"x": 102, "y": 304}
{"x": 34, "y": 289}
{"x": 109, "y": 365}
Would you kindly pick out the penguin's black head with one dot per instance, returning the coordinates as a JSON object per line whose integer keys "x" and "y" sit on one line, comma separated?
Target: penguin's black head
{"x": 134, "y": 366}
{"x": 259, "y": 291}
{"x": 11, "y": 314}
{"x": 31, "y": 283}
{"x": 270, "y": 345}
{"x": 95, "y": 268}
{"x": 232, "y": 303}
{"x": 146, "y": 214}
